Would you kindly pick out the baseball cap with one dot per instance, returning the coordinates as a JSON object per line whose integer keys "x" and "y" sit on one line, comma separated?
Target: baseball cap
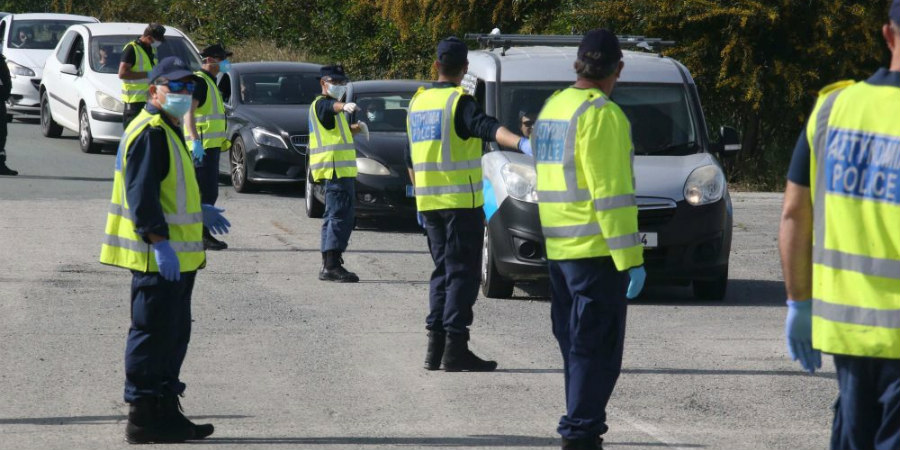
{"x": 335, "y": 72}
{"x": 895, "y": 12}
{"x": 156, "y": 31}
{"x": 215, "y": 51}
{"x": 452, "y": 51}
{"x": 600, "y": 46}
{"x": 170, "y": 68}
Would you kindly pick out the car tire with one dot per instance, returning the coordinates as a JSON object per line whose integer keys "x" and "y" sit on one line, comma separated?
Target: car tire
{"x": 314, "y": 208}
{"x": 49, "y": 128}
{"x": 85, "y": 139}
{"x": 238, "y": 156}
{"x": 711, "y": 289}
{"x": 493, "y": 285}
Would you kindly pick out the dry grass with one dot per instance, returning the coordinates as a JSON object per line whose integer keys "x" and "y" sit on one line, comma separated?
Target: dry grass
{"x": 260, "y": 50}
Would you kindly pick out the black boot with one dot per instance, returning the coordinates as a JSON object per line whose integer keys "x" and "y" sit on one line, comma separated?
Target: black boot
{"x": 176, "y": 414}
{"x": 332, "y": 269}
{"x": 148, "y": 422}
{"x": 211, "y": 243}
{"x": 6, "y": 170}
{"x": 583, "y": 444}
{"x": 458, "y": 357}
{"x": 435, "y": 351}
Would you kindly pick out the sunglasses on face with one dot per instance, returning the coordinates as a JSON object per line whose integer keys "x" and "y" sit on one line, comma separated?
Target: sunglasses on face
{"x": 528, "y": 123}
{"x": 178, "y": 86}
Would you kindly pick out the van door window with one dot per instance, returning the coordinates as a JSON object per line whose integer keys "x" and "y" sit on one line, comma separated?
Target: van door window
{"x": 76, "y": 54}
{"x": 225, "y": 88}
{"x": 63, "y": 53}
{"x": 2, "y": 32}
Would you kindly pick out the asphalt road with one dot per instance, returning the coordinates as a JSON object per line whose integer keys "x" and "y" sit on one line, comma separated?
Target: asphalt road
{"x": 279, "y": 359}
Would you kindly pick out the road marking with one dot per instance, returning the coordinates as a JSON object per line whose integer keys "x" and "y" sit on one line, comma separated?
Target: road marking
{"x": 648, "y": 429}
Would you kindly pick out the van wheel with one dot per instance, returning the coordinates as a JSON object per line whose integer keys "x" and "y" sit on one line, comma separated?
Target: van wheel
{"x": 711, "y": 289}
{"x": 314, "y": 208}
{"x": 239, "y": 167}
{"x": 493, "y": 285}
{"x": 49, "y": 128}
{"x": 85, "y": 139}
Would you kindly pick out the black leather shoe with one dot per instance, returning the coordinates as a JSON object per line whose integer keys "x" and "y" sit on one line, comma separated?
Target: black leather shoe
{"x": 583, "y": 444}
{"x": 435, "y": 353}
{"x": 211, "y": 243}
{"x": 6, "y": 170}
{"x": 458, "y": 357}
{"x": 176, "y": 414}
{"x": 149, "y": 422}
{"x": 338, "y": 274}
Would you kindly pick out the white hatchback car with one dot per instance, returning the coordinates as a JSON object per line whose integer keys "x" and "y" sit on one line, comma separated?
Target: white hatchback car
{"x": 80, "y": 90}
{"x": 27, "y": 40}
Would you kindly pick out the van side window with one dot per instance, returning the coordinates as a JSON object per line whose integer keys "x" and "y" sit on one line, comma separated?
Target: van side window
{"x": 480, "y": 93}
{"x": 76, "y": 54}
{"x": 2, "y": 32}
{"x": 66, "y": 44}
{"x": 225, "y": 88}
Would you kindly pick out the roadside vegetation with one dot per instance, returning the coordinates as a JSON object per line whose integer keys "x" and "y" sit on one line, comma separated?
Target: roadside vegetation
{"x": 758, "y": 63}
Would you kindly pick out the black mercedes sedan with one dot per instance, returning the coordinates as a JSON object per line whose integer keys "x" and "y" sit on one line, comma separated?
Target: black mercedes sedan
{"x": 267, "y": 106}
{"x": 383, "y": 188}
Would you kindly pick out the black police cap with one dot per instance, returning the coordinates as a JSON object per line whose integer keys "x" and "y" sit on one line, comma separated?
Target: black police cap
{"x": 156, "y": 31}
{"x": 599, "y": 46}
{"x": 452, "y": 51}
{"x": 334, "y": 72}
{"x": 215, "y": 51}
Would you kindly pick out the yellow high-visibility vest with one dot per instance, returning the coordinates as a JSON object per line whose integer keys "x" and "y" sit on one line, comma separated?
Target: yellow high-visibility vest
{"x": 210, "y": 116}
{"x": 854, "y": 137}
{"x": 447, "y": 167}
{"x": 585, "y": 183}
{"x": 331, "y": 152}
{"x": 180, "y": 200}
{"x": 135, "y": 91}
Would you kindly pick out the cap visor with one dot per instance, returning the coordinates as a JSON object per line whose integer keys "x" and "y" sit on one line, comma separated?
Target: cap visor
{"x": 176, "y": 75}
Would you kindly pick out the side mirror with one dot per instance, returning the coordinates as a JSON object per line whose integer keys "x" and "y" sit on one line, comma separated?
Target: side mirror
{"x": 730, "y": 141}
{"x": 69, "y": 69}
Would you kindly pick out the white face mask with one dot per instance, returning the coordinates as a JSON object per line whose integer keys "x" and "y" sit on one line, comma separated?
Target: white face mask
{"x": 155, "y": 44}
{"x": 335, "y": 91}
{"x": 374, "y": 116}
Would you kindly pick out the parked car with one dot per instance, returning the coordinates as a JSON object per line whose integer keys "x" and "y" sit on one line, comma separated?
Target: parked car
{"x": 685, "y": 214}
{"x": 81, "y": 89}
{"x": 383, "y": 187}
{"x": 27, "y": 41}
{"x": 267, "y": 105}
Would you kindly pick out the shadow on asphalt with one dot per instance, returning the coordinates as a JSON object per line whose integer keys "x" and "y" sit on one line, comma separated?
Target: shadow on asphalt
{"x": 92, "y": 420}
{"x": 350, "y": 250}
{"x": 671, "y": 371}
{"x": 45, "y": 177}
{"x": 490, "y": 440}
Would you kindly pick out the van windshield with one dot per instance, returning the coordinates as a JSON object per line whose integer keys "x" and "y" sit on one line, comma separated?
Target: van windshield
{"x": 662, "y": 122}
{"x": 106, "y": 51}
{"x": 37, "y": 34}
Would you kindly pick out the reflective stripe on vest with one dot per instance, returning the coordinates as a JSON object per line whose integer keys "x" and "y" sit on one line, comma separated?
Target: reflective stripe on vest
{"x": 210, "y": 116}
{"x": 856, "y": 303}
{"x": 331, "y": 152}
{"x": 447, "y": 168}
{"x": 135, "y": 91}
{"x": 179, "y": 198}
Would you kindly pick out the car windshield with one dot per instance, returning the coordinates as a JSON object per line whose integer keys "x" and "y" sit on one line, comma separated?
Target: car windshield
{"x": 279, "y": 88}
{"x": 38, "y": 34}
{"x": 661, "y": 119}
{"x": 384, "y": 112}
{"x": 106, "y": 51}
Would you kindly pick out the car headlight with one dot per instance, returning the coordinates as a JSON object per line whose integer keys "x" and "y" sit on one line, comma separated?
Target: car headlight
{"x": 520, "y": 181}
{"x": 705, "y": 185}
{"x": 268, "y": 138}
{"x": 18, "y": 70}
{"x": 371, "y": 167}
{"x": 109, "y": 102}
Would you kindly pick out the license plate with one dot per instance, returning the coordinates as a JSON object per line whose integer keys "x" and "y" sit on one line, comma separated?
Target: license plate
{"x": 410, "y": 191}
{"x": 649, "y": 240}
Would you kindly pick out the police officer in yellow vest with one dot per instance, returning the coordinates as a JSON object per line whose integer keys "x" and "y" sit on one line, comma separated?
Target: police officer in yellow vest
{"x": 154, "y": 229}
{"x": 585, "y": 185}
{"x": 446, "y": 129}
{"x": 205, "y": 130}
{"x": 840, "y": 250}
{"x": 332, "y": 159}
{"x": 138, "y": 59}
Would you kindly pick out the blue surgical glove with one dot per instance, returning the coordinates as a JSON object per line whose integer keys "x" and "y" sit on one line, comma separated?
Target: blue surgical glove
{"x": 421, "y": 219}
{"x": 525, "y": 146}
{"x": 798, "y": 328}
{"x": 638, "y": 275}
{"x": 197, "y": 151}
{"x": 214, "y": 220}
{"x": 167, "y": 260}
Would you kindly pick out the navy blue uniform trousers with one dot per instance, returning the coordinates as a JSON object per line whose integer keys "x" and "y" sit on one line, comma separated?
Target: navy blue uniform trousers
{"x": 339, "y": 213}
{"x": 208, "y": 176}
{"x": 867, "y": 411}
{"x": 588, "y": 308}
{"x": 159, "y": 335}
{"x": 455, "y": 238}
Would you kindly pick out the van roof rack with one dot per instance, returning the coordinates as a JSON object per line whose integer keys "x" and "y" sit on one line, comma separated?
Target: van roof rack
{"x": 506, "y": 41}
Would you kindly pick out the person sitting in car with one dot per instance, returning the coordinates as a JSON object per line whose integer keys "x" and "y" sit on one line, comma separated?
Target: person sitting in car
{"x": 374, "y": 110}
{"x": 23, "y": 38}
